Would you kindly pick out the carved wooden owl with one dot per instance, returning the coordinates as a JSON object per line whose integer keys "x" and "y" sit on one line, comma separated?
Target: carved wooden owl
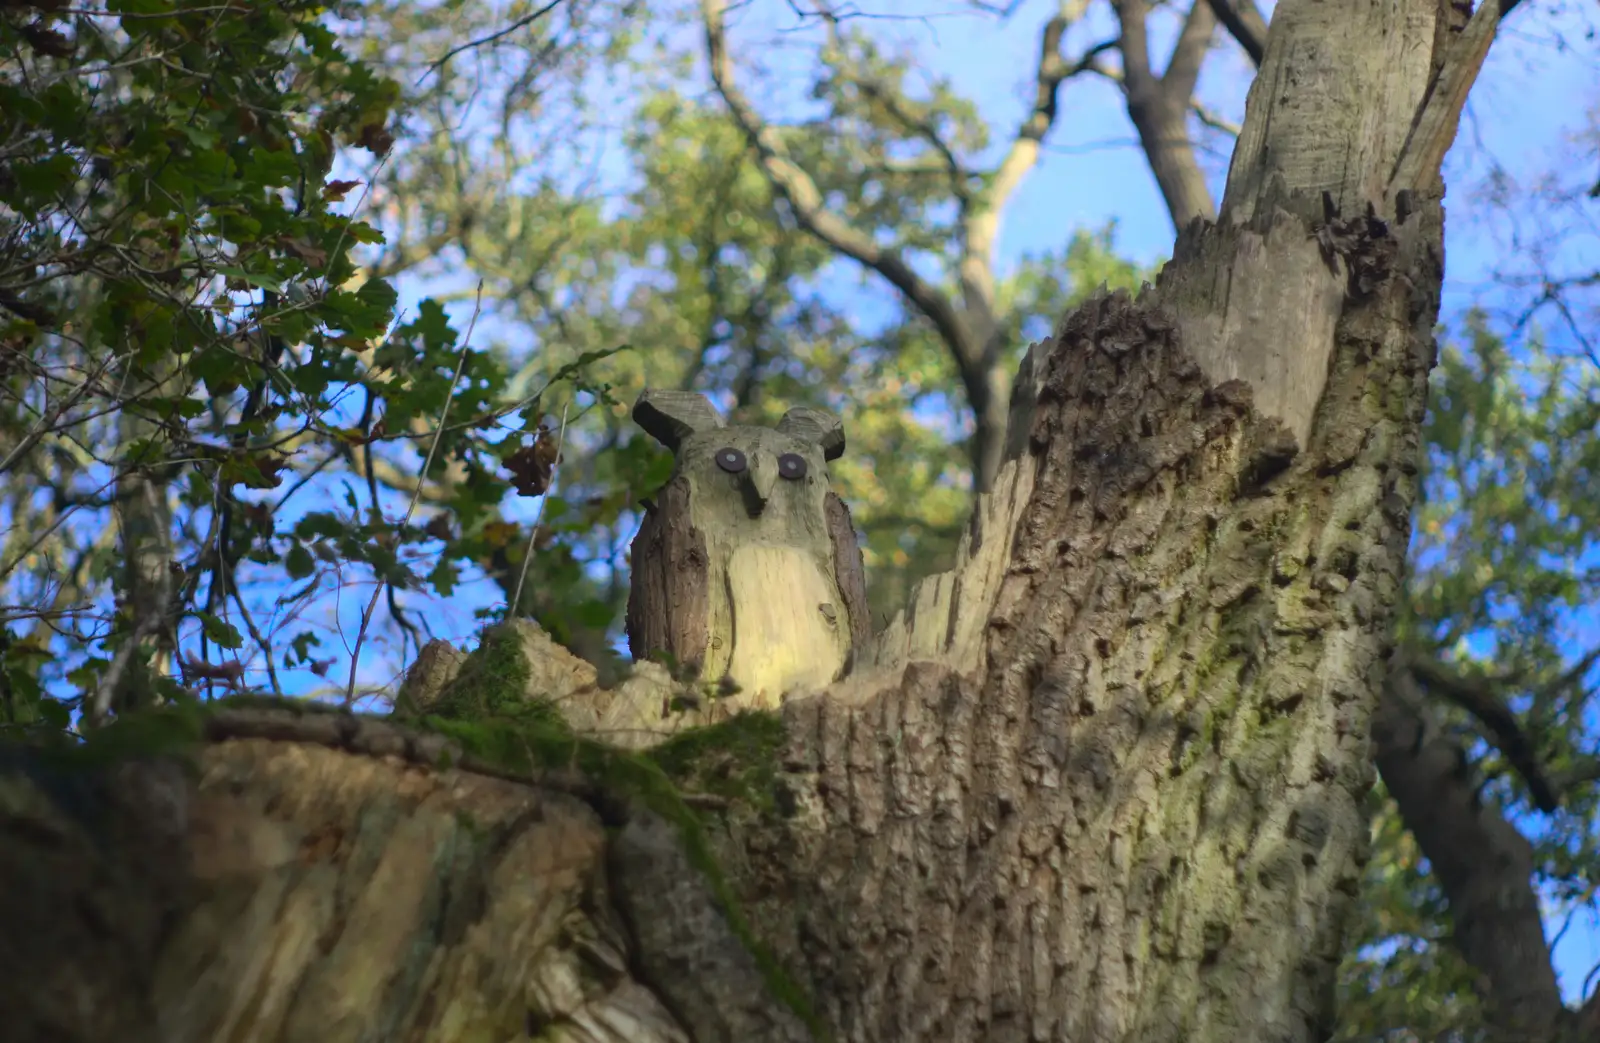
{"x": 746, "y": 566}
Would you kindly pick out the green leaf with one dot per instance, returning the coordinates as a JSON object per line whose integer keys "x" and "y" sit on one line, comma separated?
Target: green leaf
{"x": 255, "y": 279}
{"x": 594, "y": 614}
{"x": 55, "y": 714}
{"x": 444, "y": 577}
{"x": 223, "y": 633}
{"x": 298, "y": 563}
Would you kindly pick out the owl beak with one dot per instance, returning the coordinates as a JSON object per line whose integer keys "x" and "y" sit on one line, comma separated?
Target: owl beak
{"x": 759, "y": 477}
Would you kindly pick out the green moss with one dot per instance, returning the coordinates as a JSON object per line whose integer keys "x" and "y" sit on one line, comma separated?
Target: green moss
{"x": 741, "y": 751}
{"x": 172, "y": 730}
{"x": 493, "y": 683}
{"x": 736, "y": 759}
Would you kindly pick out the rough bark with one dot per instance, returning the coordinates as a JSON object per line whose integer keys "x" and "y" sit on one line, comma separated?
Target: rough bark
{"x": 291, "y": 891}
{"x": 1103, "y": 830}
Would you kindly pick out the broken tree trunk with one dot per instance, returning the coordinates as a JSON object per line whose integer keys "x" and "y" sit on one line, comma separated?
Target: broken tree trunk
{"x": 1100, "y": 782}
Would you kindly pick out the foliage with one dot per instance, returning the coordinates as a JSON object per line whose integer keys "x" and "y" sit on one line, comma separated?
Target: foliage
{"x": 190, "y": 350}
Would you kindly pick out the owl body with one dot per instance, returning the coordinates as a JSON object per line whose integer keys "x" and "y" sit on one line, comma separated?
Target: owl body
{"x": 746, "y": 568}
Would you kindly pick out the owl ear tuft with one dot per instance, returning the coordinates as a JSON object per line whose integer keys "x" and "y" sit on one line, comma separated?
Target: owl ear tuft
{"x": 815, "y": 425}
{"x": 671, "y": 416}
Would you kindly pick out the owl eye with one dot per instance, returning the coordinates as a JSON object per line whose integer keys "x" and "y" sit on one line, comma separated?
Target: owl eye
{"x": 792, "y": 466}
{"x": 731, "y": 460}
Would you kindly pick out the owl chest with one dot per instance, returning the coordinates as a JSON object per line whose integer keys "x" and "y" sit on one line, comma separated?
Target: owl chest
{"x": 774, "y": 616}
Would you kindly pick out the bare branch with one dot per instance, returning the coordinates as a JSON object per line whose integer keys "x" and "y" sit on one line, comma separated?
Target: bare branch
{"x": 1188, "y": 54}
{"x": 1159, "y": 106}
{"x": 1131, "y": 17}
{"x": 797, "y": 187}
{"x": 1487, "y": 699}
{"x": 499, "y": 34}
{"x": 1481, "y": 698}
{"x": 981, "y": 223}
{"x": 895, "y": 105}
{"x": 1244, "y": 22}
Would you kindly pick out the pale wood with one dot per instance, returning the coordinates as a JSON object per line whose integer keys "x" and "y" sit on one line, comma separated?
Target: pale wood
{"x": 947, "y": 613}
{"x": 1259, "y": 303}
{"x": 784, "y": 639}
{"x": 1328, "y": 113}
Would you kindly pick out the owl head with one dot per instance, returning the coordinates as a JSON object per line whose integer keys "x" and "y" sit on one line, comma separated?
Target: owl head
{"x": 766, "y": 474}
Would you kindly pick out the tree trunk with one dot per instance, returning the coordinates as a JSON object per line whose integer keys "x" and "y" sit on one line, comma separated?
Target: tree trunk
{"x": 1101, "y": 783}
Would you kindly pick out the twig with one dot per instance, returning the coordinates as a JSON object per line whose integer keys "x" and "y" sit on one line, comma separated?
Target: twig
{"x": 416, "y": 494}
{"x": 521, "y": 23}
{"x": 538, "y": 512}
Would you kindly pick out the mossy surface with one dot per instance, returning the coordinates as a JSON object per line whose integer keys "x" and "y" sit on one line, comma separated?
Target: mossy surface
{"x": 493, "y": 683}
{"x": 734, "y": 759}
{"x": 174, "y": 730}
{"x": 495, "y": 722}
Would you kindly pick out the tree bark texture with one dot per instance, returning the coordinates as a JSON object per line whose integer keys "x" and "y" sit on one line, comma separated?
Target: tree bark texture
{"x": 342, "y": 887}
{"x": 1100, "y": 783}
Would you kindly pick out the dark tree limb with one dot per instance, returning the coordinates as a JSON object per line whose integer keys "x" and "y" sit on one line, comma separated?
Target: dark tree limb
{"x": 1244, "y": 22}
{"x": 1483, "y": 865}
{"x": 1479, "y": 697}
{"x": 1487, "y": 699}
{"x": 1159, "y": 106}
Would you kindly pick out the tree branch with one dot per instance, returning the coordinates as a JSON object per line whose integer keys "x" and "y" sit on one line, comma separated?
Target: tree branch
{"x": 967, "y": 346}
{"x": 1159, "y": 106}
{"x": 1188, "y": 54}
{"x": 1482, "y": 863}
{"x": 982, "y": 225}
{"x": 980, "y": 230}
{"x": 895, "y": 105}
{"x": 1480, "y": 697}
{"x": 1487, "y": 699}
{"x": 494, "y": 37}
{"x": 1433, "y": 130}
{"x": 801, "y": 192}
{"x": 1135, "y": 42}
{"x": 1244, "y": 22}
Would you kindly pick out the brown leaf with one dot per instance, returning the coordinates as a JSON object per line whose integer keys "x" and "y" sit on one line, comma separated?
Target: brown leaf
{"x": 439, "y": 527}
{"x": 375, "y": 139}
{"x": 47, "y": 41}
{"x": 533, "y": 466}
{"x": 310, "y": 253}
{"x": 335, "y": 191}
{"x": 497, "y": 534}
